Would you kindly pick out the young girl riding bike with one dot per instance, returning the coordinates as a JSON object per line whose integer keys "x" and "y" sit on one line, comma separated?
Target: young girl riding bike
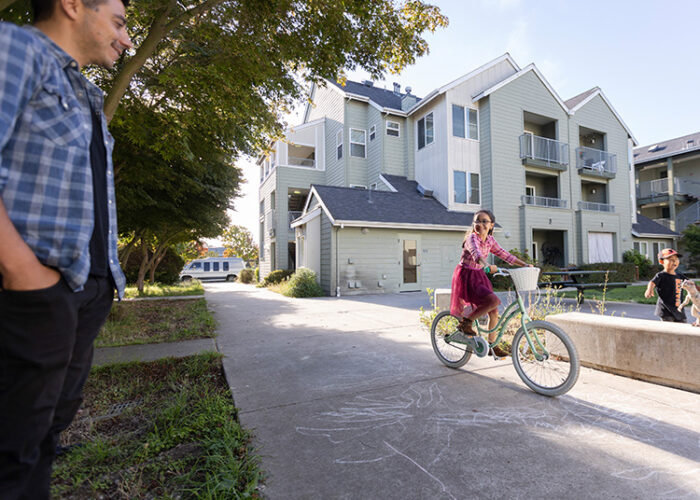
{"x": 472, "y": 292}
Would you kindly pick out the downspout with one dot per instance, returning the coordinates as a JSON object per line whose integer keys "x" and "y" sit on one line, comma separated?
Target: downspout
{"x": 337, "y": 264}
{"x": 574, "y": 236}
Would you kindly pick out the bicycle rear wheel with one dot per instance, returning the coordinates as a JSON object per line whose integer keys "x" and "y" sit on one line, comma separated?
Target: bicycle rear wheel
{"x": 553, "y": 368}
{"x": 454, "y": 354}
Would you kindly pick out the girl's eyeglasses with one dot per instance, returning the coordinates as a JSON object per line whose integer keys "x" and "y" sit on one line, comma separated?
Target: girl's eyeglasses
{"x": 482, "y": 221}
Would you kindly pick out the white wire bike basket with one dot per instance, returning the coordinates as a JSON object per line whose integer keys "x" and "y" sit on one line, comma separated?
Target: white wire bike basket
{"x": 525, "y": 278}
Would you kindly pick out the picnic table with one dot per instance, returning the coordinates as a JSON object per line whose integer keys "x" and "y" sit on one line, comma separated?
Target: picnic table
{"x": 571, "y": 279}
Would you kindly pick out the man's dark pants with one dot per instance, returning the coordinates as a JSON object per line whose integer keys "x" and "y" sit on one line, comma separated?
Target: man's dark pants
{"x": 46, "y": 347}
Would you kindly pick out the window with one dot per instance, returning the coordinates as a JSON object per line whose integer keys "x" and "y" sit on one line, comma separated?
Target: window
{"x": 339, "y": 144}
{"x": 272, "y": 200}
{"x": 426, "y": 133}
{"x": 466, "y": 188}
{"x": 207, "y": 266}
{"x": 262, "y": 206}
{"x": 530, "y": 191}
{"x": 196, "y": 265}
{"x": 393, "y": 129}
{"x": 225, "y": 266}
{"x": 473, "y": 187}
{"x": 216, "y": 266}
{"x": 372, "y": 132}
{"x": 465, "y": 122}
{"x": 460, "y": 179}
{"x": 358, "y": 139}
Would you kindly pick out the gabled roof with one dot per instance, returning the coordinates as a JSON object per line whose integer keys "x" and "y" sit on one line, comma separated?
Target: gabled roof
{"x": 671, "y": 147}
{"x": 574, "y": 101}
{"x": 404, "y": 208}
{"x": 529, "y": 68}
{"x": 383, "y": 97}
{"x": 579, "y": 101}
{"x": 647, "y": 227}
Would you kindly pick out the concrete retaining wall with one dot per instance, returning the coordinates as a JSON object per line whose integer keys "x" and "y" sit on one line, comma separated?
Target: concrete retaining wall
{"x": 663, "y": 353}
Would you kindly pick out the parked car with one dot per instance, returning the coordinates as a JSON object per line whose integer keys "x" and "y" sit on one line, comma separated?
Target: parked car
{"x": 213, "y": 268}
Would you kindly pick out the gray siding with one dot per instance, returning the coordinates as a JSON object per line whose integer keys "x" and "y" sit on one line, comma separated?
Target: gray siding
{"x": 395, "y": 148}
{"x": 374, "y": 148}
{"x": 485, "y": 155}
{"x": 329, "y": 103}
{"x": 356, "y": 118}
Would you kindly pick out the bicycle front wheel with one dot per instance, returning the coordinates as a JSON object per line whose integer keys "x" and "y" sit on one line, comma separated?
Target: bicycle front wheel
{"x": 453, "y": 354}
{"x": 553, "y": 367}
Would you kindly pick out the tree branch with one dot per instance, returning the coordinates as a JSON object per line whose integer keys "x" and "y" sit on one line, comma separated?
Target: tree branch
{"x": 6, "y": 3}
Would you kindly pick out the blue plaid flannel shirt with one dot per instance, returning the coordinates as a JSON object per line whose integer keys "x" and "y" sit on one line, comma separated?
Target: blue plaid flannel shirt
{"x": 45, "y": 170}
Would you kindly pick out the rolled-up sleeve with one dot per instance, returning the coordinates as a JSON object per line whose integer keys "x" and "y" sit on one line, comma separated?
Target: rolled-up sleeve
{"x": 20, "y": 74}
{"x": 498, "y": 251}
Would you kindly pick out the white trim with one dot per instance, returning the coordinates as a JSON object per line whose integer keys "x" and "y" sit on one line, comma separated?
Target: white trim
{"x": 599, "y": 92}
{"x": 363, "y": 144}
{"x": 400, "y": 225}
{"x": 341, "y": 134}
{"x": 524, "y": 71}
{"x": 462, "y": 79}
{"x": 306, "y": 217}
{"x": 388, "y": 184}
{"x": 425, "y": 130}
{"x": 534, "y": 190}
{"x": 654, "y": 235}
{"x": 465, "y": 108}
{"x": 373, "y": 127}
{"x": 305, "y": 125}
{"x": 320, "y": 202}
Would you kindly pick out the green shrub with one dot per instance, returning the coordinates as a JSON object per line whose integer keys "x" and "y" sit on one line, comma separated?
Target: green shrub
{"x": 246, "y": 275}
{"x": 303, "y": 284}
{"x": 646, "y": 269}
{"x": 277, "y": 276}
{"x": 619, "y": 271}
{"x": 257, "y": 274}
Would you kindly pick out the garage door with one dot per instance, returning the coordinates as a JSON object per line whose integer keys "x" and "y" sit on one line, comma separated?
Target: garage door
{"x": 600, "y": 247}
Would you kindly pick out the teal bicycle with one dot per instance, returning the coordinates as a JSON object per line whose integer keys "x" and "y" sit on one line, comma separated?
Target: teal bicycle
{"x": 543, "y": 355}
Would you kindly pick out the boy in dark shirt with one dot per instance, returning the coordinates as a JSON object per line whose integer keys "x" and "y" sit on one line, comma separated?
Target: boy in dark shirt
{"x": 668, "y": 283}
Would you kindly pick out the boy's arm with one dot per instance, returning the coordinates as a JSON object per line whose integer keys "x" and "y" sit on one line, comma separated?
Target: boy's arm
{"x": 649, "y": 293}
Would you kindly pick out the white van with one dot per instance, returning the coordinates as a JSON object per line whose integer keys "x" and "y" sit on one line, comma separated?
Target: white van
{"x": 213, "y": 268}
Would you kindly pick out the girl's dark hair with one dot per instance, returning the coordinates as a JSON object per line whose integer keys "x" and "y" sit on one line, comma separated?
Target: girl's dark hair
{"x": 43, "y": 9}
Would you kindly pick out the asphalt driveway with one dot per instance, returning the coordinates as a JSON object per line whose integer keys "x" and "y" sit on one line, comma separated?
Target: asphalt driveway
{"x": 347, "y": 400}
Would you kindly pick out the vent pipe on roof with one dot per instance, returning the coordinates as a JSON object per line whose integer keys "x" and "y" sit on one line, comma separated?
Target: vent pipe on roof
{"x": 368, "y": 83}
{"x": 397, "y": 88}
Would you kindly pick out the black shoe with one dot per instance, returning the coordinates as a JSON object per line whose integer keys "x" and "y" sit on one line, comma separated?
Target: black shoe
{"x": 64, "y": 450}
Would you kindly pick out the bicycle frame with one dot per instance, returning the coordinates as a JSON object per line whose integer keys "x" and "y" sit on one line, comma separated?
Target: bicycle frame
{"x": 515, "y": 307}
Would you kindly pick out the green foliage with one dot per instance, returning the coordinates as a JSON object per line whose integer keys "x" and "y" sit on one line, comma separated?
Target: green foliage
{"x": 618, "y": 272}
{"x": 167, "y": 271}
{"x": 257, "y": 274}
{"x": 239, "y": 243}
{"x": 647, "y": 270}
{"x": 277, "y": 276}
{"x": 302, "y": 284}
{"x": 691, "y": 245}
{"x": 246, "y": 276}
{"x": 191, "y": 287}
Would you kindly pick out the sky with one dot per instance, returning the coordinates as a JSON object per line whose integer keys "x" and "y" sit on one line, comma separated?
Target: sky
{"x": 642, "y": 54}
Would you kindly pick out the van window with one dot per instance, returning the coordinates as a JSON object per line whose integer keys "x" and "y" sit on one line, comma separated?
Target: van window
{"x": 195, "y": 265}
{"x": 225, "y": 266}
{"x": 216, "y": 266}
{"x": 207, "y": 266}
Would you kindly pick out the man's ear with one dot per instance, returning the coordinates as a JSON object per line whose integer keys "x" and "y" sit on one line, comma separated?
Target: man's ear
{"x": 71, "y": 8}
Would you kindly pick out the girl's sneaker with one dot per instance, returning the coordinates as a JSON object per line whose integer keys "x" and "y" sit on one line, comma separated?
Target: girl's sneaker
{"x": 499, "y": 352}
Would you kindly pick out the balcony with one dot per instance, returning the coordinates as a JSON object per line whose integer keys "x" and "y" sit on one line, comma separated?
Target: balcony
{"x": 291, "y": 216}
{"x": 595, "y": 207}
{"x": 596, "y": 162}
{"x": 543, "y": 152}
{"x": 543, "y": 201}
{"x": 657, "y": 191}
{"x": 301, "y": 162}
{"x": 664, "y": 222}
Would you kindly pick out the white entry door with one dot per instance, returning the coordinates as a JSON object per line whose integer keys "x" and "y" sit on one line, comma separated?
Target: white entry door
{"x": 600, "y": 247}
{"x": 409, "y": 246}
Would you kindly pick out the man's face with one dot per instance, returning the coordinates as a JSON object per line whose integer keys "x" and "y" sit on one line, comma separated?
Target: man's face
{"x": 102, "y": 32}
{"x": 670, "y": 263}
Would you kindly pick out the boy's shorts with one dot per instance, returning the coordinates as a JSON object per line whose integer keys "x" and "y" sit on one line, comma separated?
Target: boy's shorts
{"x": 671, "y": 319}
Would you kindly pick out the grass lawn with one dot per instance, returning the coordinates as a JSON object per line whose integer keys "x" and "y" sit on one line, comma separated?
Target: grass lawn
{"x": 177, "y": 437}
{"x": 147, "y": 322}
{"x": 630, "y": 294}
{"x": 192, "y": 287}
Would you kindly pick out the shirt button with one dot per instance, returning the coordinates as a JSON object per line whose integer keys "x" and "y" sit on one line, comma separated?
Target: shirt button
{"x": 73, "y": 64}
{"x": 111, "y": 261}
{"x": 110, "y": 202}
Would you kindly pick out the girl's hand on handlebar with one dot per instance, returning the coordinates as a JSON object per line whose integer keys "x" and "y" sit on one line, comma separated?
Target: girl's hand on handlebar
{"x": 491, "y": 269}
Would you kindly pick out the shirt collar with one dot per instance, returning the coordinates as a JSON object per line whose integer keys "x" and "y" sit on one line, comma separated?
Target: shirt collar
{"x": 64, "y": 59}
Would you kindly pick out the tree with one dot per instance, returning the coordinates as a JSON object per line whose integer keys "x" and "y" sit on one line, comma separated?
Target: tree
{"x": 691, "y": 244}
{"x": 239, "y": 243}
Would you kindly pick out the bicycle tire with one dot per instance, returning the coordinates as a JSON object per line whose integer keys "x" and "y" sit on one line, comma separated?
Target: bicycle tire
{"x": 452, "y": 355}
{"x": 561, "y": 367}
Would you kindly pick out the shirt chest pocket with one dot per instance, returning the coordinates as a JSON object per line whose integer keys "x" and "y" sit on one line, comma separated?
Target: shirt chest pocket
{"x": 57, "y": 116}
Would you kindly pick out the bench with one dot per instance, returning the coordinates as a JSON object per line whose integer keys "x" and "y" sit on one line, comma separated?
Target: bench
{"x": 569, "y": 280}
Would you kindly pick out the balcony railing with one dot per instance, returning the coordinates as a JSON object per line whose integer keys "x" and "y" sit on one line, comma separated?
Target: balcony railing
{"x": 664, "y": 222}
{"x": 543, "y": 201}
{"x": 596, "y": 161}
{"x": 544, "y": 149}
{"x": 301, "y": 162}
{"x": 657, "y": 187}
{"x": 688, "y": 216}
{"x": 596, "y": 207}
{"x": 291, "y": 216}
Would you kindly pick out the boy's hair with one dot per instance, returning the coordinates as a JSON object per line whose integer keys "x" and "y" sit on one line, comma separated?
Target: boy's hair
{"x": 476, "y": 215}
{"x": 43, "y": 9}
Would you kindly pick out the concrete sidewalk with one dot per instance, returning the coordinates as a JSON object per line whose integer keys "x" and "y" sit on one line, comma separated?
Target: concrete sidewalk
{"x": 347, "y": 400}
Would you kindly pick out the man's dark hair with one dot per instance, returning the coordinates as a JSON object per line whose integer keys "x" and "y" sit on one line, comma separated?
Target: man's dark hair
{"x": 43, "y": 9}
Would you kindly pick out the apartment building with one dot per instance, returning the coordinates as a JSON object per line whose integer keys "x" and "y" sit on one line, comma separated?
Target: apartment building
{"x": 375, "y": 188}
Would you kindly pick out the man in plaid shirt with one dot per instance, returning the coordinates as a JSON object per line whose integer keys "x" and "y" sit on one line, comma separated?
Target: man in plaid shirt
{"x": 58, "y": 227}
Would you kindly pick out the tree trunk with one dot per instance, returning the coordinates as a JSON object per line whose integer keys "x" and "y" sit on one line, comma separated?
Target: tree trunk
{"x": 144, "y": 265}
{"x": 127, "y": 250}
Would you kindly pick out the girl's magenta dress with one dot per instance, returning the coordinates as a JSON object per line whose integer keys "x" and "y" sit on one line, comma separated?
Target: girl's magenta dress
{"x": 470, "y": 285}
